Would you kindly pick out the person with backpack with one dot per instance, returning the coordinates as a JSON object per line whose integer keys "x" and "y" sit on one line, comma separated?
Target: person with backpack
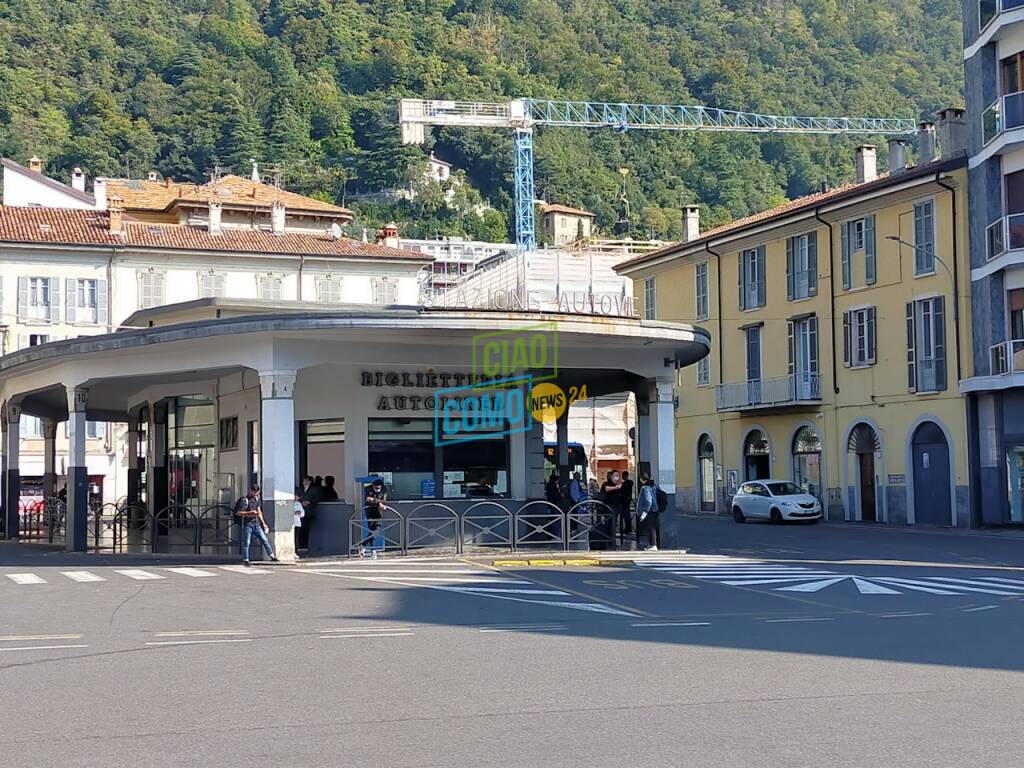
{"x": 651, "y": 502}
{"x": 376, "y": 505}
{"x": 250, "y": 509}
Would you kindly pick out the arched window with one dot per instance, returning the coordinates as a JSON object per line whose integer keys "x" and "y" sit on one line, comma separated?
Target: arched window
{"x": 706, "y": 472}
{"x": 807, "y": 461}
{"x": 756, "y": 454}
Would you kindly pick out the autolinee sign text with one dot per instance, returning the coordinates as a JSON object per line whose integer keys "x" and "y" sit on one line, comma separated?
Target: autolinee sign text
{"x": 572, "y": 302}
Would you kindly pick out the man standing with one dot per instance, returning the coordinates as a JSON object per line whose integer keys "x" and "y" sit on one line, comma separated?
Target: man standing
{"x": 309, "y": 494}
{"x": 648, "y": 512}
{"x": 626, "y": 499}
{"x": 250, "y": 509}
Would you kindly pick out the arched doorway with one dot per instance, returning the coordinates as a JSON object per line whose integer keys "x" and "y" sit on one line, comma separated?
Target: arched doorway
{"x": 706, "y": 474}
{"x": 864, "y": 444}
{"x": 931, "y": 475}
{"x": 756, "y": 456}
{"x": 807, "y": 461}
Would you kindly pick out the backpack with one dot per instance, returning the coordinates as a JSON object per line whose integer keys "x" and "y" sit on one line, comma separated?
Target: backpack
{"x": 662, "y": 499}
{"x": 242, "y": 505}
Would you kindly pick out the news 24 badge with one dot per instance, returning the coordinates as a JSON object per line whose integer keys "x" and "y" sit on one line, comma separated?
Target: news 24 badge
{"x": 547, "y": 402}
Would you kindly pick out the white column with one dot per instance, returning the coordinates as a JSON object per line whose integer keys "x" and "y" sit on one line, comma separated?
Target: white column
{"x": 78, "y": 474}
{"x": 277, "y": 459}
{"x": 12, "y": 476}
{"x": 662, "y": 440}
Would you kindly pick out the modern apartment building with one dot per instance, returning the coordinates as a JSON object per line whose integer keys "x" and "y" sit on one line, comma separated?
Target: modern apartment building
{"x": 841, "y": 327}
{"x": 454, "y": 258}
{"x": 994, "y": 79}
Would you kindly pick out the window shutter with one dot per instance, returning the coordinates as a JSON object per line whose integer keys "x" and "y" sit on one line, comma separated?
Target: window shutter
{"x": 911, "y": 355}
{"x": 791, "y": 331}
{"x": 789, "y": 268}
{"x": 939, "y": 318}
{"x": 762, "y": 278}
{"x": 740, "y": 281}
{"x": 101, "y": 302}
{"x": 71, "y": 286}
{"x": 22, "y": 298}
{"x": 812, "y": 329}
{"x": 871, "y": 341}
{"x": 812, "y": 264}
{"x": 846, "y": 253}
{"x": 869, "y": 249}
{"x": 54, "y": 300}
{"x": 846, "y": 336}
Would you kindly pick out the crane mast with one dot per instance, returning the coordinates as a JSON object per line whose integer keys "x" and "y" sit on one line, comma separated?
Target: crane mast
{"x": 522, "y": 115}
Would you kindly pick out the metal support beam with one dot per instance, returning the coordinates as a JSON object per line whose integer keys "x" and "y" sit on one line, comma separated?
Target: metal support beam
{"x": 525, "y": 234}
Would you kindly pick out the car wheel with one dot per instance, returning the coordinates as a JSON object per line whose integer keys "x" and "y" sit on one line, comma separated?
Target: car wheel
{"x": 737, "y": 515}
{"x": 776, "y": 516}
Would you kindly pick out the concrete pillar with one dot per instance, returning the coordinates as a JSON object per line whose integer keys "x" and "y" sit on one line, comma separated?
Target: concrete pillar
{"x": 49, "y": 458}
{"x": 12, "y": 476}
{"x": 77, "y": 528}
{"x": 662, "y": 429}
{"x": 134, "y": 472}
{"x": 156, "y": 469}
{"x": 277, "y": 459}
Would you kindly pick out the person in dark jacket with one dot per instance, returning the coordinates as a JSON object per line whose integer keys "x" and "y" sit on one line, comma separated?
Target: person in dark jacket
{"x": 330, "y": 493}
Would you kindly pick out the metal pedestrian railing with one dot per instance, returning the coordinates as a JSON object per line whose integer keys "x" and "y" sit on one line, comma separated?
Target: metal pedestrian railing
{"x": 528, "y": 525}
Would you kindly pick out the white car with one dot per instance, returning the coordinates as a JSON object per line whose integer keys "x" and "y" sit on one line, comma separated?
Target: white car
{"x": 775, "y": 500}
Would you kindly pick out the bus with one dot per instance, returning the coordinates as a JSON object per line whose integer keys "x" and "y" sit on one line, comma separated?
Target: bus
{"x": 577, "y": 460}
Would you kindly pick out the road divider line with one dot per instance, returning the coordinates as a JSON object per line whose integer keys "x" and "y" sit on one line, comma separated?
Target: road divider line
{"x": 248, "y": 570}
{"x": 42, "y": 647}
{"x": 789, "y": 621}
{"x": 201, "y": 642}
{"x": 525, "y": 629}
{"x": 980, "y": 608}
{"x": 365, "y": 635}
{"x": 26, "y": 638}
{"x": 672, "y": 624}
{"x": 82, "y": 576}
{"x": 196, "y": 573}
{"x": 140, "y": 575}
{"x": 25, "y": 578}
{"x": 900, "y": 615}
{"x": 368, "y": 629}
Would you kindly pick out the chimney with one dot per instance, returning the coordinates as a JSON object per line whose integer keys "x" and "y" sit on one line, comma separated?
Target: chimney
{"x": 952, "y": 132}
{"x": 277, "y": 218}
{"x": 99, "y": 191}
{"x": 215, "y": 217}
{"x": 897, "y": 156}
{"x": 35, "y": 163}
{"x": 866, "y": 159}
{"x": 926, "y": 144}
{"x": 78, "y": 180}
{"x": 152, "y": 176}
{"x": 167, "y": 182}
{"x": 116, "y": 215}
{"x": 387, "y": 236}
{"x": 255, "y": 171}
{"x": 691, "y": 223}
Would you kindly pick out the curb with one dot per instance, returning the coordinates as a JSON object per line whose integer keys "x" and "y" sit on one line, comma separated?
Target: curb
{"x": 577, "y": 562}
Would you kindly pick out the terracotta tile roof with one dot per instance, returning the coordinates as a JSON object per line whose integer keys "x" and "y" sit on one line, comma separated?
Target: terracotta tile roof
{"x": 91, "y": 228}
{"x": 808, "y": 201}
{"x": 558, "y": 208}
{"x": 141, "y": 195}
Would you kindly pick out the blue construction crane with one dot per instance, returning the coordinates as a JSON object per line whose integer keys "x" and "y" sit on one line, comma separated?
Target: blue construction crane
{"x": 522, "y": 115}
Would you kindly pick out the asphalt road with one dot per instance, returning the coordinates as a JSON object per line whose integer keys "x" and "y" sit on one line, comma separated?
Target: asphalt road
{"x": 762, "y": 646}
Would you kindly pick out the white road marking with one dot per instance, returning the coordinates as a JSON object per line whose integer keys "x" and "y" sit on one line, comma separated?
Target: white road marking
{"x": 976, "y": 583}
{"x": 545, "y": 625}
{"x": 1014, "y": 582}
{"x": 774, "y": 580}
{"x": 791, "y": 621}
{"x": 918, "y": 586}
{"x": 943, "y": 583}
{"x": 980, "y": 608}
{"x": 140, "y": 575}
{"x": 42, "y": 647}
{"x": 519, "y": 591}
{"x": 900, "y": 615}
{"x": 197, "y": 573}
{"x": 201, "y": 642}
{"x": 383, "y": 571}
{"x": 365, "y": 635}
{"x": 672, "y": 624}
{"x": 869, "y": 588}
{"x": 246, "y": 569}
{"x": 813, "y": 586}
{"x": 443, "y": 579}
{"x": 525, "y": 629}
{"x": 367, "y": 629}
{"x": 25, "y": 578}
{"x": 203, "y": 633}
{"x": 82, "y": 576}
{"x": 26, "y": 638}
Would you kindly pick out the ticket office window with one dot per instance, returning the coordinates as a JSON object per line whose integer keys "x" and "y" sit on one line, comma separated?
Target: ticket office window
{"x": 403, "y": 451}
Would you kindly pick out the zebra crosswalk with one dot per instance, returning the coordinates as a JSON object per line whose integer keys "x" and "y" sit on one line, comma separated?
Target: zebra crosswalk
{"x": 460, "y": 577}
{"x": 795, "y": 577}
{"x": 130, "y": 574}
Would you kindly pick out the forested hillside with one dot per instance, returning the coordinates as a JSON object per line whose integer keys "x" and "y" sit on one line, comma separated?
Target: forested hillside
{"x": 184, "y": 85}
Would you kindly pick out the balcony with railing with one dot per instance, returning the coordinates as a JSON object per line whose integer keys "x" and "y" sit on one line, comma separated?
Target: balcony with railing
{"x": 781, "y": 391}
{"x": 1005, "y": 234}
{"x": 1007, "y": 357}
{"x": 1003, "y": 114}
{"x": 988, "y": 10}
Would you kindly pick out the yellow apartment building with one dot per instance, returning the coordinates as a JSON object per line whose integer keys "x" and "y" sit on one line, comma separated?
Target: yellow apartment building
{"x": 838, "y": 344}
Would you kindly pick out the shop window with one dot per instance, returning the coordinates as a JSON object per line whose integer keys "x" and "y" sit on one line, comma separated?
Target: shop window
{"x": 402, "y": 452}
{"x": 807, "y": 461}
{"x": 476, "y": 468}
{"x": 227, "y": 434}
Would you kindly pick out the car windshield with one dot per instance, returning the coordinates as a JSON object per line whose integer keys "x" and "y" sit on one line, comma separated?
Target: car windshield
{"x": 784, "y": 489}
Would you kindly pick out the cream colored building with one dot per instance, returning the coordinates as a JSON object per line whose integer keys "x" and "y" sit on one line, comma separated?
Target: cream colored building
{"x": 562, "y": 224}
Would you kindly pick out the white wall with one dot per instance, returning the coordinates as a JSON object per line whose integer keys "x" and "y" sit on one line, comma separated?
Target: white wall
{"x": 21, "y": 190}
